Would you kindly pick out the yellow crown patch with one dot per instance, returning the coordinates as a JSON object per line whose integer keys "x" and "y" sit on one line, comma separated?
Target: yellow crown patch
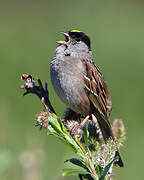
{"x": 75, "y": 30}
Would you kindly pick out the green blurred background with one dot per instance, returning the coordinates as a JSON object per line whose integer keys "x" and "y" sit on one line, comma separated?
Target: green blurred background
{"x": 28, "y": 34}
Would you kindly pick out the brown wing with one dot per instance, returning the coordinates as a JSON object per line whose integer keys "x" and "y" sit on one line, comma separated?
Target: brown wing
{"x": 97, "y": 88}
{"x": 99, "y": 96}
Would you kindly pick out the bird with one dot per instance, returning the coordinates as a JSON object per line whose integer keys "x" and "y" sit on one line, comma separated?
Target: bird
{"x": 79, "y": 83}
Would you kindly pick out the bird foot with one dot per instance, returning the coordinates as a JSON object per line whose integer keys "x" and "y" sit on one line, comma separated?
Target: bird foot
{"x": 75, "y": 130}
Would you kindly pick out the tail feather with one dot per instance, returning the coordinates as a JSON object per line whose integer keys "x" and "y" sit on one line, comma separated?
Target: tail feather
{"x": 107, "y": 133}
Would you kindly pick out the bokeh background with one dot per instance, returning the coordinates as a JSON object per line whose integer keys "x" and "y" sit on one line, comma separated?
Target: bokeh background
{"x": 28, "y": 34}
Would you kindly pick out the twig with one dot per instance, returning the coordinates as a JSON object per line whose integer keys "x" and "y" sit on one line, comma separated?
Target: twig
{"x": 42, "y": 93}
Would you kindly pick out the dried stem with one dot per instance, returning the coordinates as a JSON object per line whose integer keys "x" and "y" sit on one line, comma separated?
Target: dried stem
{"x": 41, "y": 92}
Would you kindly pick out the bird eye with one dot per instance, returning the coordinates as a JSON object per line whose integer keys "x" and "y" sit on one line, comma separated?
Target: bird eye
{"x": 73, "y": 36}
{"x": 77, "y": 35}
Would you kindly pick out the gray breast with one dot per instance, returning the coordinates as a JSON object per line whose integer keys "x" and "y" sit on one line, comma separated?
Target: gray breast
{"x": 67, "y": 80}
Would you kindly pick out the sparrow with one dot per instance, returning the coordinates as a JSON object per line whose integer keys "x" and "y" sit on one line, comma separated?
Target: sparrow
{"x": 79, "y": 83}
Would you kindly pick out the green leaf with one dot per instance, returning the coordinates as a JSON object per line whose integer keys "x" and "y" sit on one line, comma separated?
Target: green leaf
{"x": 78, "y": 162}
{"x": 107, "y": 168}
{"x": 62, "y": 126}
{"x": 68, "y": 144}
{"x": 99, "y": 170}
{"x": 66, "y": 172}
{"x": 53, "y": 120}
{"x": 85, "y": 133}
{"x": 56, "y": 128}
{"x": 60, "y": 123}
{"x": 80, "y": 145}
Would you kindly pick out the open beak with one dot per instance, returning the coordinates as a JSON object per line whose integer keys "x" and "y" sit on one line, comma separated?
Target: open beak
{"x": 67, "y": 39}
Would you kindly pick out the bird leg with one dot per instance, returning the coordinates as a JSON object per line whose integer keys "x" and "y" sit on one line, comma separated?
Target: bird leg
{"x": 76, "y": 127}
{"x": 84, "y": 121}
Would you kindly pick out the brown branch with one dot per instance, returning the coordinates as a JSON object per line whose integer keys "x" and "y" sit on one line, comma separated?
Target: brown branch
{"x": 42, "y": 93}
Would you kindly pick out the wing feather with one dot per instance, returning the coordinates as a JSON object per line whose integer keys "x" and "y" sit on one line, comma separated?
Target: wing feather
{"x": 97, "y": 88}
